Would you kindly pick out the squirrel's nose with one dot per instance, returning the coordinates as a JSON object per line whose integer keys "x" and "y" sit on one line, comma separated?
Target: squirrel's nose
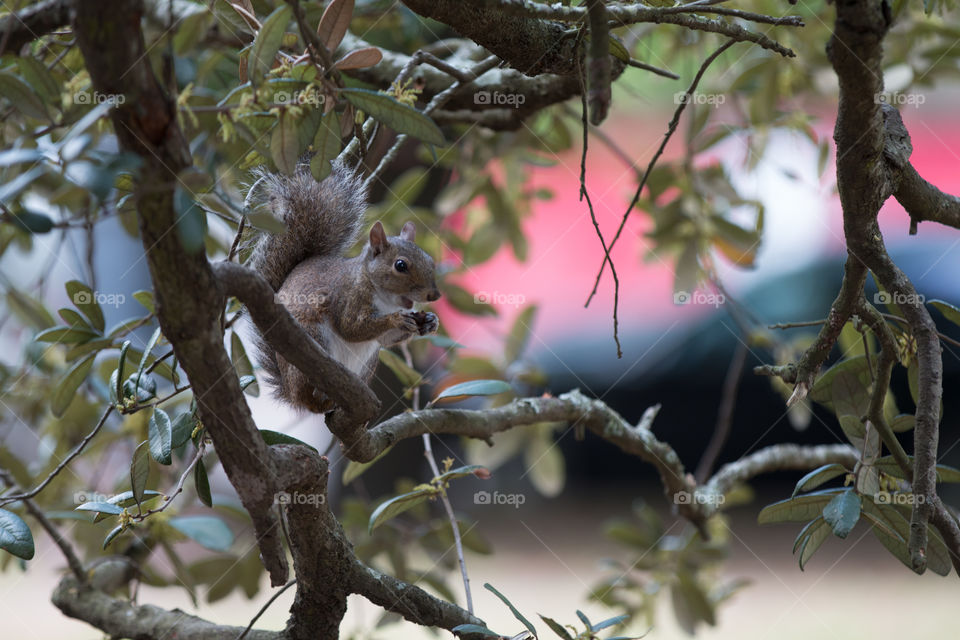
{"x": 433, "y": 295}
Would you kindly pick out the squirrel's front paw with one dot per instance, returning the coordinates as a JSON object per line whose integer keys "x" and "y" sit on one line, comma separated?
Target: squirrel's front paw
{"x": 427, "y": 323}
{"x": 408, "y": 322}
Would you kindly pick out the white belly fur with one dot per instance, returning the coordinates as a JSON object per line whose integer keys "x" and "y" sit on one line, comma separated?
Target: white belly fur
{"x": 352, "y": 355}
{"x": 355, "y": 355}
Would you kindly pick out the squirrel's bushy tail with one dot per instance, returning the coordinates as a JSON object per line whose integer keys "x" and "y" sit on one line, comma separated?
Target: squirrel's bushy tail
{"x": 322, "y": 218}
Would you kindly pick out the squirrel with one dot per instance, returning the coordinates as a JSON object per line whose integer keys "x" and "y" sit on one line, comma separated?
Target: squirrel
{"x": 350, "y": 306}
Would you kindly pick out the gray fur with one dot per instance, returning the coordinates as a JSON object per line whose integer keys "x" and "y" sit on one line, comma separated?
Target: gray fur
{"x": 322, "y": 218}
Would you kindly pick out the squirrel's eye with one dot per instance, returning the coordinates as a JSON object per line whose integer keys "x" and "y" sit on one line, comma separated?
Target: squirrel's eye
{"x": 400, "y": 266}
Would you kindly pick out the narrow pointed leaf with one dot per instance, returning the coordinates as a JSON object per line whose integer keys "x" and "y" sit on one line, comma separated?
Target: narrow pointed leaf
{"x": 66, "y": 389}
{"x": 140, "y": 471}
{"x": 516, "y": 614}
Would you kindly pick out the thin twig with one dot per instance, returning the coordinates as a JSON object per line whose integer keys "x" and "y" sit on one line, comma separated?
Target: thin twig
{"x": 428, "y": 454}
{"x": 671, "y": 128}
{"x": 728, "y": 403}
{"x": 264, "y": 608}
{"x": 584, "y": 194}
{"x": 72, "y": 560}
{"x": 63, "y": 463}
{"x": 179, "y": 488}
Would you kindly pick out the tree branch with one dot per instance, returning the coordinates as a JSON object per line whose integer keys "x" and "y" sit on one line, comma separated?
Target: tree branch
{"x": 356, "y": 404}
{"x": 123, "y": 619}
{"x": 188, "y": 301}
{"x": 19, "y": 28}
{"x": 924, "y": 202}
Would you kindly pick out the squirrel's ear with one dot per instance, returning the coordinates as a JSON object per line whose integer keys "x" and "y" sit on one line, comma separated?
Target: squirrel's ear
{"x": 409, "y": 232}
{"x": 378, "y": 238}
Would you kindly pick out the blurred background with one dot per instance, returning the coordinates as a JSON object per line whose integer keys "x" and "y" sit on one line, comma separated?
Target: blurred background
{"x": 557, "y": 538}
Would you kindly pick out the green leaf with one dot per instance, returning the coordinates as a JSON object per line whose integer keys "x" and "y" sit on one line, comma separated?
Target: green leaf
{"x": 33, "y": 222}
{"x": 285, "y": 144}
{"x": 545, "y": 464}
{"x": 842, "y": 512}
{"x": 889, "y": 466}
{"x": 618, "y": 51}
{"x": 36, "y": 74}
{"x": 145, "y": 298}
{"x": 160, "y": 432}
{"x": 275, "y": 437}
{"x": 85, "y": 300}
{"x": 15, "y": 536}
{"x": 207, "y": 531}
{"x": 818, "y": 476}
{"x": 326, "y": 145}
{"x": 191, "y": 222}
{"x": 556, "y": 627}
{"x": 126, "y": 499}
{"x": 22, "y": 97}
{"x": 66, "y": 335}
{"x": 182, "y": 428}
{"x": 267, "y": 44}
{"x": 243, "y": 366}
{"x": 949, "y": 311}
{"x": 117, "y": 530}
{"x": 355, "y": 469}
{"x": 202, "y": 483}
{"x": 399, "y": 117}
{"x": 903, "y": 422}
{"x": 799, "y": 509}
{"x": 584, "y": 619}
{"x": 398, "y": 504}
{"x": 609, "y": 622}
{"x": 520, "y": 334}
{"x": 66, "y": 389}
{"x": 821, "y": 389}
{"x": 464, "y": 301}
{"x": 695, "y": 597}
{"x": 146, "y": 353}
{"x": 408, "y": 376}
{"x": 29, "y": 310}
{"x": 140, "y": 471}
{"x": 461, "y": 472}
{"x": 513, "y": 610}
{"x": 463, "y": 629}
{"x": 814, "y": 535}
{"x": 474, "y": 388}
{"x": 100, "y": 507}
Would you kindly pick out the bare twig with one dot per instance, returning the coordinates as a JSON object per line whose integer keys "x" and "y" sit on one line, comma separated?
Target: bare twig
{"x": 447, "y": 506}
{"x": 63, "y": 463}
{"x": 671, "y": 128}
{"x": 264, "y": 608}
{"x": 728, "y": 403}
{"x": 72, "y": 560}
